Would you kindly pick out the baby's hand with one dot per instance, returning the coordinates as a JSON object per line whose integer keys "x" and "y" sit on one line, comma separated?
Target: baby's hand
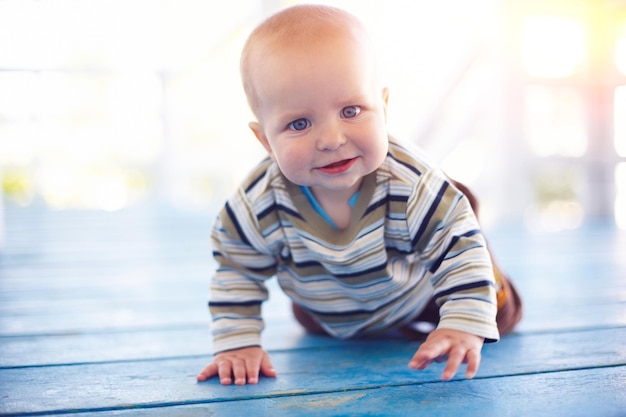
{"x": 242, "y": 364}
{"x": 455, "y": 346}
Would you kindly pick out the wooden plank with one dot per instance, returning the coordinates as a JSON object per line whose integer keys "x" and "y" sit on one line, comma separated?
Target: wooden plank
{"x": 153, "y": 308}
{"x": 96, "y": 280}
{"x": 147, "y": 286}
{"x": 141, "y": 305}
{"x": 598, "y": 249}
{"x": 32, "y": 351}
{"x": 147, "y": 296}
{"x": 353, "y": 366}
{"x": 128, "y": 314}
{"x": 556, "y": 317}
{"x": 166, "y": 280}
{"x": 583, "y": 393}
{"x": 36, "y": 236}
{"x": 189, "y": 338}
{"x": 107, "y": 316}
{"x": 124, "y": 304}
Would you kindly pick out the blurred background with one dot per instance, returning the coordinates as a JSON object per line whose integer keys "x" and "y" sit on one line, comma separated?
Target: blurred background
{"x": 112, "y": 104}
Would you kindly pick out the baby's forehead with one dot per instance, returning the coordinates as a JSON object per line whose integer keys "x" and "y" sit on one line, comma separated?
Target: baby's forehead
{"x": 307, "y": 23}
{"x": 312, "y": 42}
{"x": 297, "y": 35}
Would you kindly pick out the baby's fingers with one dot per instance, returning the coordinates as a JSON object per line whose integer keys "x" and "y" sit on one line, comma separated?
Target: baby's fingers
{"x": 208, "y": 372}
{"x": 458, "y": 347}
{"x": 428, "y": 353}
{"x": 458, "y": 356}
{"x": 239, "y": 371}
{"x": 455, "y": 358}
{"x": 473, "y": 362}
{"x": 267, "y": 369}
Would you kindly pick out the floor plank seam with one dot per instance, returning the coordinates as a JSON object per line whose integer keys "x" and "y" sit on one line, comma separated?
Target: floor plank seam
{"x": 202, "y": 327}
{"x": 553, "y": 371}
{"x": 109, "y": 362}
{"x": 564, "y": 330}
{"x": 110, "y": 330}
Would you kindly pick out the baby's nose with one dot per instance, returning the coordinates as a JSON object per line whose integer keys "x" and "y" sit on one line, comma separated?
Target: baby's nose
{"x": 330, "y": 137}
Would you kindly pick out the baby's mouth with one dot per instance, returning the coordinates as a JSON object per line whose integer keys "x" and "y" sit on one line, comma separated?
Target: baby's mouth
{"x": 338, "y": 164}
{"x": 338, "y": 167}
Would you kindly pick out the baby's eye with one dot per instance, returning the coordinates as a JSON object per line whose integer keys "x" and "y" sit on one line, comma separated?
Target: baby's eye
{"x": 350, "y": 112}
{"x": 299, "y": 124}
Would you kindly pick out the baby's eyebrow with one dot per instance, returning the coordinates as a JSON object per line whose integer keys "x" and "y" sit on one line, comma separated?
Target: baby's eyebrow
{"x": 357, "y": 100}
{"x": 287, "y": 121}
{"x": 289, "y": 117}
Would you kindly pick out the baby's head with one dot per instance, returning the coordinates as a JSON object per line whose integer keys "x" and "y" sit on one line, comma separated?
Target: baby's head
{"x": 309, "y": 72}
{"x": 299, "y": 30}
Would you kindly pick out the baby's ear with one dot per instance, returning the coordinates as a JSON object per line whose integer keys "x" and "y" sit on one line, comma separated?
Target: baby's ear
{"x": 257, "y": 129}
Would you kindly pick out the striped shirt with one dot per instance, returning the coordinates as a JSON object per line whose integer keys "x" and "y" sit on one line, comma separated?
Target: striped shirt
{"x": 412, "y": 237}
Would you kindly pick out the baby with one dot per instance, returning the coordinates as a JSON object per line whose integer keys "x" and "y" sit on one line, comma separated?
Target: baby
{"x": 361, "y": 232}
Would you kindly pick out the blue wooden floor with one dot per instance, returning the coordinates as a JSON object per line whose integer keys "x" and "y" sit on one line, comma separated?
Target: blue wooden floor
{"x": 104, "y": 314}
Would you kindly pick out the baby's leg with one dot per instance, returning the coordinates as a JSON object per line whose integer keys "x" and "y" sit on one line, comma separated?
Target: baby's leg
{"x": 306, "y": 320}
{"x": 510, "y": 308}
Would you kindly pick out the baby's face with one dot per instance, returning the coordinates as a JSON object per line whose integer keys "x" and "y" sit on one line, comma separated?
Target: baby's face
{"x": 322, "y": 112}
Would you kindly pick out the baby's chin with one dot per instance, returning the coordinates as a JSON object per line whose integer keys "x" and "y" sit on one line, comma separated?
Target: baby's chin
{"x": 338, "y": 185}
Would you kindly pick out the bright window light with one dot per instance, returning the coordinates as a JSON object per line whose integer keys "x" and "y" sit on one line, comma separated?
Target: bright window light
{"x": 555, "y": 121}
{"x": 620, "y": 51}
{"x": 552, "y": 47}
{"x": 619, "y": 122}
{"x": 561, "y": 215}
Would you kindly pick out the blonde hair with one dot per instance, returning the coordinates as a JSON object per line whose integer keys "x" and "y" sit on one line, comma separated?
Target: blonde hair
{"x": 296, "y": 25}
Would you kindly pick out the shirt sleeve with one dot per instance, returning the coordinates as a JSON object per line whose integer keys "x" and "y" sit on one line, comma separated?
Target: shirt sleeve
{"x": 451, "y": 245}
{"x": 238, "y": 284}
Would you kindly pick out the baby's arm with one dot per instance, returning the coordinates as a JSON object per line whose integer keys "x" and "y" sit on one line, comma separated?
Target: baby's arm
{"x": 242, "y": 364}
{"x": 455, "y": 346}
